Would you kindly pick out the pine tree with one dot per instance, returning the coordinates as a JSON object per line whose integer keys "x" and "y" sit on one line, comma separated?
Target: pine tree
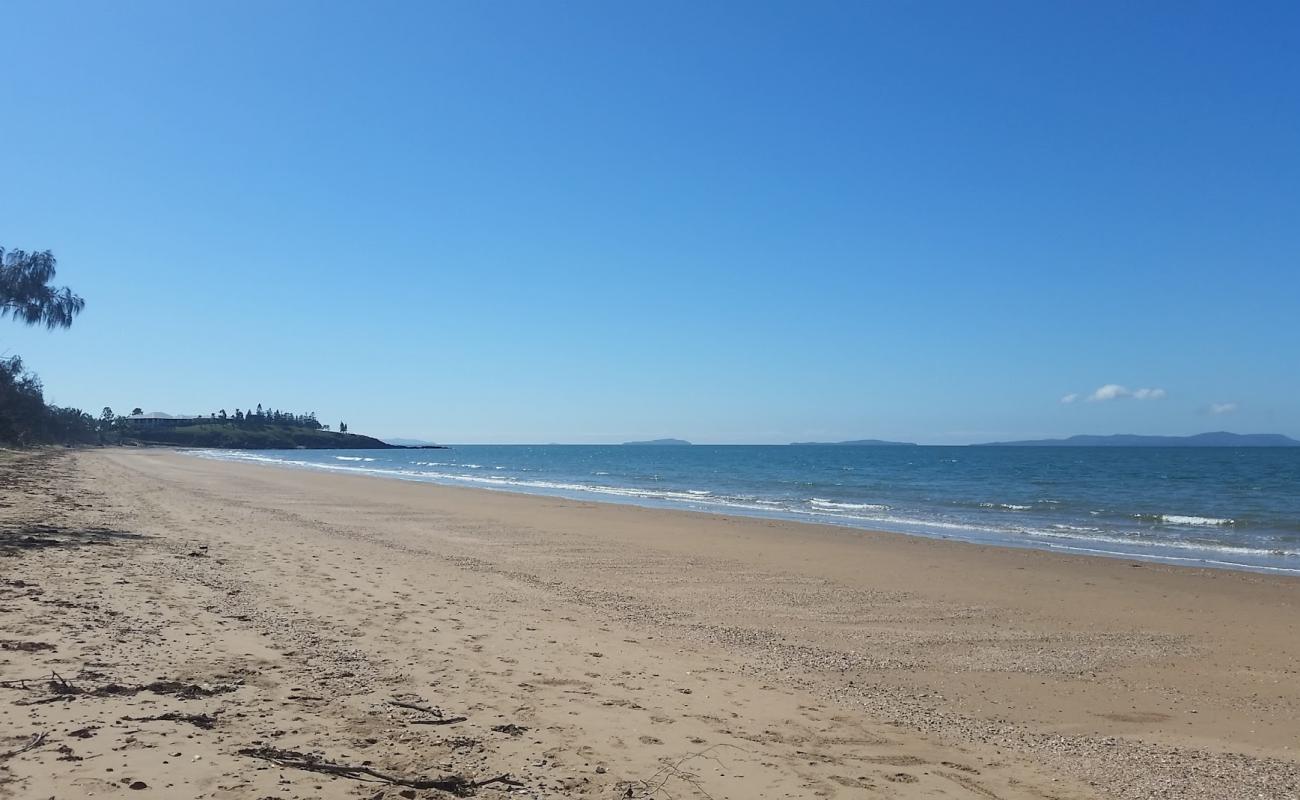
{"x": 25, "y": 293}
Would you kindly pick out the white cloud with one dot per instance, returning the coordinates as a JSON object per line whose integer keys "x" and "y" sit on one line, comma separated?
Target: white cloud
{"x": 1114, "y": 391}
{"x": 1070, "y": 398}
{"x": 1110, "y": 391}
{"x": 1222, "y": 408}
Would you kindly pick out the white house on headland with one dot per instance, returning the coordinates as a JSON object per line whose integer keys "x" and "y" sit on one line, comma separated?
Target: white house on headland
{"x": 157, "y": 419}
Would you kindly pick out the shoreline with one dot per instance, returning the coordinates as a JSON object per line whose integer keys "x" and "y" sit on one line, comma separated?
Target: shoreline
{"x": 807, "y": 662}
{"x": 973, "y": 535}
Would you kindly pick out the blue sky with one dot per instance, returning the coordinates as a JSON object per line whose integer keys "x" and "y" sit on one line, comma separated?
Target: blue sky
{"x": 729, "y": 222}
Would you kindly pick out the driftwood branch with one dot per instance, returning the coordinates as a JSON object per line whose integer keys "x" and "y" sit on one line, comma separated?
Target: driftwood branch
{"x": 454, "y": 784}
{"x": 21, "y": 683}
{"x": 437, "y": 712}
{"x": 37, "y": 741}
{"x": 443, "y": 721}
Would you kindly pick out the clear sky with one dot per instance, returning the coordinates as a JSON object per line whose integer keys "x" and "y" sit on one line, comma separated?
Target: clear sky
{"x": 728, "y": 222}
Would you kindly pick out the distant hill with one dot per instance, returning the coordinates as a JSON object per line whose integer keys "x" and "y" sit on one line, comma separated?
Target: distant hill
{"x": 1215, "y": 439}
{"x": 415, "y": 443}
{"x": 257, "y": 437}
{"x": 659, "y": 442}
{"x": 855, "y": 443}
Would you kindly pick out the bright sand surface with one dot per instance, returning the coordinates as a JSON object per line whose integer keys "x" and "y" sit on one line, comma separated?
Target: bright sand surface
{"x": 644, "y": 653}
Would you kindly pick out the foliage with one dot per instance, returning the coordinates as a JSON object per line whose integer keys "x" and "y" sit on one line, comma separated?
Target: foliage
{"x": 25, "y": 419}
{"x": 259, "y": 417}
{"x": 255, "y": 437}
{"x": 26, "y": 294}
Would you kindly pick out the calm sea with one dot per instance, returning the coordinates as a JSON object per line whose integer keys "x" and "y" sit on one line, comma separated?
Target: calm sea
{"x": 1214, "y": 506}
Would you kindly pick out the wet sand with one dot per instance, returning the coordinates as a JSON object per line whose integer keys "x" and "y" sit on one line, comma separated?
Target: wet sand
{"x": 637, "y": 652}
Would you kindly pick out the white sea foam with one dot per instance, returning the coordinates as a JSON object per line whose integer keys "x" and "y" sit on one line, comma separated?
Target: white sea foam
{"x": 1006, "y": 506}
{"x": 353, "y": 458}
{"x": 1181, "y": 519}
{"x": 818, "y": 502}
{"x": 1148, "y": 546}
{"x": 1184, "y": 519}
{"x": 1181, "y": 559}
{"x": 1061, "y": 526}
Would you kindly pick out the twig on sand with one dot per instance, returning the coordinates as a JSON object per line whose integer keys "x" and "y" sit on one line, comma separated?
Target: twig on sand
{"x": 37, "y": 741}
{"x": 58, "y": 687}
{"x": 443, "y": 721}
{"x": 437, "y": 713}
{"x": 454, "y": 784}
{"x": 20, "y": 683}
{"x": 654, "y": 785}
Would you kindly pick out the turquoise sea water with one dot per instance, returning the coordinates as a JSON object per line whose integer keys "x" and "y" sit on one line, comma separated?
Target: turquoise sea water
{"x": 1213, "y": 506}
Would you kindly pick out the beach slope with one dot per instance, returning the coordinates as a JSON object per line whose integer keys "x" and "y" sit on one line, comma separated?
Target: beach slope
{"x": 215, "y": 627}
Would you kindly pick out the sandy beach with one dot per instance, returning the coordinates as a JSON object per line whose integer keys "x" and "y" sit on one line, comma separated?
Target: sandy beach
{"x": 209, "y": 620}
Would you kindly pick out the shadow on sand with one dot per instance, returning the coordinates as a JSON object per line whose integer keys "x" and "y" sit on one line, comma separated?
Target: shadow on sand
{"x": 15, "y": 539}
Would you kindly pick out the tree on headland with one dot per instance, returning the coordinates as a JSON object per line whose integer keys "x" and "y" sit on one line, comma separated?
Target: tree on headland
{"x": 26, "y": 293}
{"x": 343, "y": 427}
{"x": 137, "y": 411}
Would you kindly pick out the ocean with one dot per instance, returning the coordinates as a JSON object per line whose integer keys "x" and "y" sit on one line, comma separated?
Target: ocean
{"x": 1222, "y": 507}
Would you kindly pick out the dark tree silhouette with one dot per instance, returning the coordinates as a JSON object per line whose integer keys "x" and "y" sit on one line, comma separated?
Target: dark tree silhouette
{"x": 137, "y": 411}
{"x": 26, "y": 294}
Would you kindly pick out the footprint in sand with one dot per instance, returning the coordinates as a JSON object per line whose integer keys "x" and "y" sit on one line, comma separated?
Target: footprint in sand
{"x": 896, "y": 761}
{"x": 855, "y": 783}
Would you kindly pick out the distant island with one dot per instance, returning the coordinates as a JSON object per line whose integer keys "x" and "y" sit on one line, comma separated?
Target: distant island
{"x": 855, "y": 443}
{"x": 1214, "y": 439}
{"x": 417, "y": 443}
{"x": 657, "y": 442}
